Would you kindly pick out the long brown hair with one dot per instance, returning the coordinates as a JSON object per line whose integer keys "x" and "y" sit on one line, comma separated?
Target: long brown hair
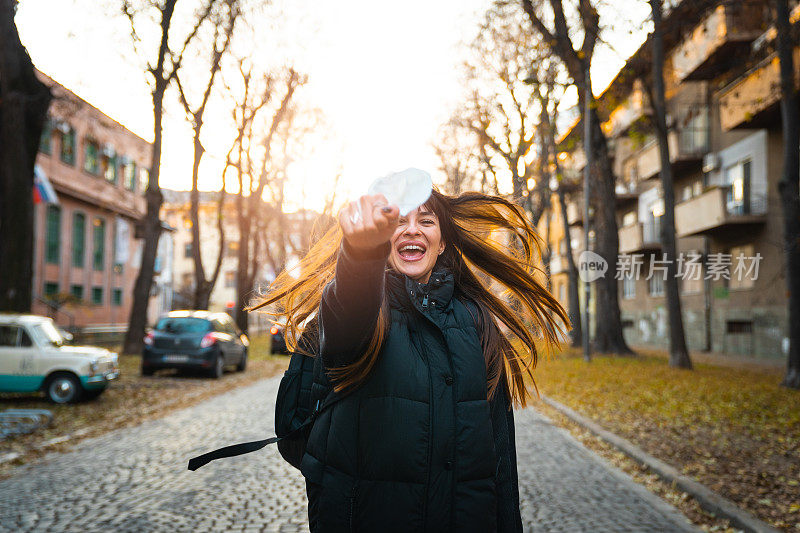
{"x": 489, "y": 245}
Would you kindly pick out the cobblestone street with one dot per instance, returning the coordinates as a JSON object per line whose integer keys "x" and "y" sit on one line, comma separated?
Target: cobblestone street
{"x": 136, "y": 479}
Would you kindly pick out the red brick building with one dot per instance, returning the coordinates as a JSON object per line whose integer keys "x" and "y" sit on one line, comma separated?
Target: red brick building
{"x": 86, "y": 256}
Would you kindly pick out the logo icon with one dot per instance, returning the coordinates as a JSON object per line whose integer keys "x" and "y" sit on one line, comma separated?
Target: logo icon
{"x": 591, "y": 266}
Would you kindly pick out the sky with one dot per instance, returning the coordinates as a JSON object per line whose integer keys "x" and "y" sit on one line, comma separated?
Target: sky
{"x": 385, "y": 76}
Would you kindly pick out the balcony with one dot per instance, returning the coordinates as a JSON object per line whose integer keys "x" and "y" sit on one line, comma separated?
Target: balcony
{"x": 626, "y": 193}
{"x": 717, "y": 40}
{"x": 748, "y": 100}
{"x": 636, "y": 106}
{"x": 687, "y": 147}
{"x": 640, "y": 237}
{"x": 716, "y": 210}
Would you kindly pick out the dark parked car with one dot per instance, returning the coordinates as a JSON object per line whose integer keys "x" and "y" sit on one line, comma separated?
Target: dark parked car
{"x": 195, "y": 340}
{"x": 278, "y": 339}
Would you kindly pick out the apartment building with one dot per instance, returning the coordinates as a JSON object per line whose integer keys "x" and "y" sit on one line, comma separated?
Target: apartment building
{"x": 726, "y": 154}
{"x": 86, "y": 254}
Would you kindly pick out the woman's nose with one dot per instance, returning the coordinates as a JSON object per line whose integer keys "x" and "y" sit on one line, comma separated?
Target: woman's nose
{"x": 412, "y": 228}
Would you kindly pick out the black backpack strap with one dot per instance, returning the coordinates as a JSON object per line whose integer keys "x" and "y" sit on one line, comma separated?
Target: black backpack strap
{"x": 247, "y": 447}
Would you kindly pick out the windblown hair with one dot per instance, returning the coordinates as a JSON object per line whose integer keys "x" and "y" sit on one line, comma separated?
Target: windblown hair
{"x": 490, "y": 247}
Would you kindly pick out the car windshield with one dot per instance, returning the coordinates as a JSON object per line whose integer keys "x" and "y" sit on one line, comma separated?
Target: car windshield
{"x": 183, "y": 325}
{"x": 47, "y": 333}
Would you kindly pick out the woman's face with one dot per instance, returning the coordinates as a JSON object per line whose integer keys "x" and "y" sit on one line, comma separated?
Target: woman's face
{"x": 416, "y": 244}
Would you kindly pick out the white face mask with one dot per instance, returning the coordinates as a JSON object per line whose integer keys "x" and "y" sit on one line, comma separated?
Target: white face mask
{"x": 408, "y": 189}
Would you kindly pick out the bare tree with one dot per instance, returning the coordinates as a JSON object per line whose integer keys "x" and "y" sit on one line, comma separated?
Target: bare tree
{"x": 558, "y": 37}
{"x": 789, "y": 187}
{"x": 502, "y": 109}
{"x": 459, "y": 156}
{"x": 223, "y": 17}
{"x": 250, "y": 154}
{"x": 678, "y": 353}
{"x": 161, "y": 73}
{"x": 24, "y": 101}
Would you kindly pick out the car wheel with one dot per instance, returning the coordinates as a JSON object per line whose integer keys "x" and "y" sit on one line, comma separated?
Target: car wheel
{"x": 243, "y": 363}
{"x": 147, "y": 371}
{"x": 64, "y": 388}
{"x": 219, "y": 367}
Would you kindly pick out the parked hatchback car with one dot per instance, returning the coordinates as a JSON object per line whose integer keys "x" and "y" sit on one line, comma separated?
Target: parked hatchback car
{"x": 277, "y": 332}
{"x": 34, "y": 357}
{"x": 195, "y": 340}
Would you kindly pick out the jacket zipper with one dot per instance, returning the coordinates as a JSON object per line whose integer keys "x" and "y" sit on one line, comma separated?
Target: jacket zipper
{"x": 430, "y": 423}
{"x": 430, "y": 389}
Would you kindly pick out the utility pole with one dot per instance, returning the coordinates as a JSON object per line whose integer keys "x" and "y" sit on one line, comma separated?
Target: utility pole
{"x": 587, "y": 147}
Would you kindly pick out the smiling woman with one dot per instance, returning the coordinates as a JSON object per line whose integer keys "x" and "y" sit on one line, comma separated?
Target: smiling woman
{"x": 421, "y": 436}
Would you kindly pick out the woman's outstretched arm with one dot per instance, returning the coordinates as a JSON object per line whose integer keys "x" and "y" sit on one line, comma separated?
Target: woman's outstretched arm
{"x": 350, "y": 305}
{"x": 351, "y": 302}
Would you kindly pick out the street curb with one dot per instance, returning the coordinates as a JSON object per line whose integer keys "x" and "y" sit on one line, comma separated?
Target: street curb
{"x": 708, "y": 499}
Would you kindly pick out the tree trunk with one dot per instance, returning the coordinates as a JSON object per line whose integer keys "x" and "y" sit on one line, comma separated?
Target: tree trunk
{"x": 201, "y": 289}
{"x": 243, "y": 263}
{"x": 24, "y": 101}
{"x": 151, "y": 224}
{"x": 608, "y": 321}
{"x": 789, "y": 188}
{"x": 678, "y": 354}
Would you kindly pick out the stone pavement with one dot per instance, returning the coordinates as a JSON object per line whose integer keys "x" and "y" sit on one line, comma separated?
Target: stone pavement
{"x": 135, "y": 479}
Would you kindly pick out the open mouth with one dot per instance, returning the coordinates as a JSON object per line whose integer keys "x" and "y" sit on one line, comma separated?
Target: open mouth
{"x": 411, "y": 251}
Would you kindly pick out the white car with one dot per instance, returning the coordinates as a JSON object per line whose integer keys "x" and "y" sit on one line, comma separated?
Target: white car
{"x": 33, "y": 358}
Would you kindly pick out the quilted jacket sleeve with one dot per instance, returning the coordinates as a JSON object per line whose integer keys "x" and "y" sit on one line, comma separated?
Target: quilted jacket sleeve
{"x": 508, "y": 513}
{"x": 350, "y": 304}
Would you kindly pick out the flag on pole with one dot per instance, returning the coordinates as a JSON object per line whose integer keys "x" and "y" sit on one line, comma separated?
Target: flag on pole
{"x": 43, "y": 191}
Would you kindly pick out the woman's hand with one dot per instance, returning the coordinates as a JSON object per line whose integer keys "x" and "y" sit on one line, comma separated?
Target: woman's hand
{"x": 369, "y": 222}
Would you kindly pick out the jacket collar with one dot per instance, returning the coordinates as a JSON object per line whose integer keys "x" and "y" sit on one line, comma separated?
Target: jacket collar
{"x": 404, "y": 290}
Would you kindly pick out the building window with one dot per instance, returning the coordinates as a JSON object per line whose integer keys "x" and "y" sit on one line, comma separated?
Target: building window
{"x": 50, "y": 289}
{"x": 91, "y": 161}
{"x": 76, "y": 291}
{"x": 628, "y": 286}
{"x": 108, "y": 164}
{"x": 629, "y": 219}
{"x": 187, "y": 250}
{"x": 53, "y": 237}
{"x": 129, "y": 174}
{"x": 99, "y": 242}
{"x": 737, "y": 179}
{"x": 45, "y": 141}
{"x": 230, "y": 279}
{"x": 232, "y": 249}
{"x": 67, "y": 144}
{"x": 116, "y": 297}
{"x": 656, "y": 285}
{"x": 144, "y": 178}
{"x": 78, "y": 239}
{"x": 739, "y": 326}
{"x": 97, "y": 295}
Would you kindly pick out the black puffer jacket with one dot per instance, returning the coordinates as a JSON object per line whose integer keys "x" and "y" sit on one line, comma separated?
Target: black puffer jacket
{"x": 417, "y": 447}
